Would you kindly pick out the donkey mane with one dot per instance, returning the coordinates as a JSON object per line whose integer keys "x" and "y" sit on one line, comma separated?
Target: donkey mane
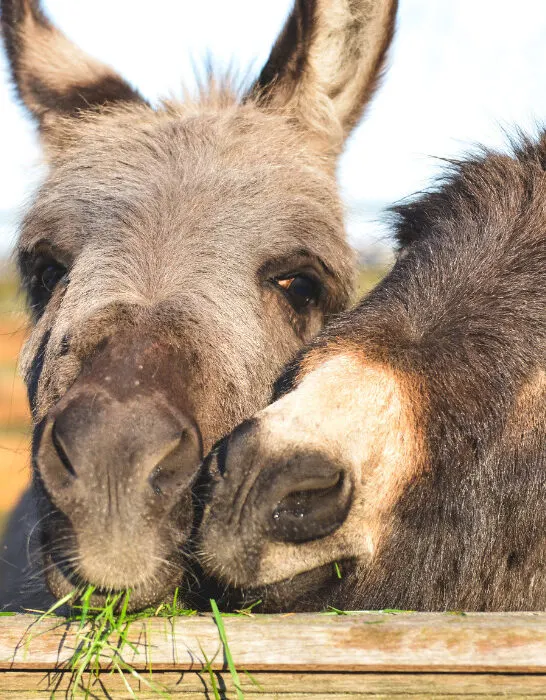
{"x": 505, "y": 182}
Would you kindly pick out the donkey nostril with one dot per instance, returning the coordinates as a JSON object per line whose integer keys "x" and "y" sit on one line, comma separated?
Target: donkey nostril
{"x": 94, "y": 447}
{"x": 314, "y": 508}
{"x": 310, "y": 492}
{"x": 178, "y": 464}
{"x": 60, "y": 449}
{"x": 299, "y": 503}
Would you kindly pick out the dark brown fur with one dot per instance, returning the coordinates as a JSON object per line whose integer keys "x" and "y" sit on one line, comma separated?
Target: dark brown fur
{"x": 166, "y": 232}
{"x": 447, "y": 459}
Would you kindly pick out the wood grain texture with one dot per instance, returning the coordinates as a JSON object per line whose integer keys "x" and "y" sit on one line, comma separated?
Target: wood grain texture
{"x": 267, "y": 686}
{"x": 366, "y": 642}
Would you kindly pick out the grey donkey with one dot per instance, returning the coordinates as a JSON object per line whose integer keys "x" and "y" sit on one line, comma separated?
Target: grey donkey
{"x": 174, "y": 260}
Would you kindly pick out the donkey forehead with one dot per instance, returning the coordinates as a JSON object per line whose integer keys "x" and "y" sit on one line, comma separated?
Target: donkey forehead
{"x": 239, "y": 177}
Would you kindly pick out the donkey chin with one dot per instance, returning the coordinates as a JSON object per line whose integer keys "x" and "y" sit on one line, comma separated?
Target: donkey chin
{"x": 143, "y": 560}
{"x": 140, "y": 552}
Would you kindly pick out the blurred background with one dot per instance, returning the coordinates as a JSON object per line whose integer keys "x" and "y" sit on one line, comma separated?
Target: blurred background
{"x": 461, "y": 72}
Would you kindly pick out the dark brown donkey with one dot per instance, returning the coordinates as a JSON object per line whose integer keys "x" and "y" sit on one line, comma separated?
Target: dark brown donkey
{"x": 174, "y": 260}
{"x": 405, "y": 466}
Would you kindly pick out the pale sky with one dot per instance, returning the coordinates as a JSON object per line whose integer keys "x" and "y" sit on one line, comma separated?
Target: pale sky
{"x": 461, "y": 71}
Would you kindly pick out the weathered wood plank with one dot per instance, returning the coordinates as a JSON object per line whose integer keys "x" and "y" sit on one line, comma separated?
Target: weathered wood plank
{"x": 327, "y": 686}
{"x": 512, "y": 642}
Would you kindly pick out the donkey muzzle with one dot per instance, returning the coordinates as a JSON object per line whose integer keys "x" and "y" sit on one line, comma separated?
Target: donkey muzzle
{"x": 117, "y": 457}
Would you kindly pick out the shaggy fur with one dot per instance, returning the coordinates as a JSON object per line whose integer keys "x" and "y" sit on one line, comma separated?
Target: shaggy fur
{"x": 152, "y": 256}
{"x": 437, "y": 394}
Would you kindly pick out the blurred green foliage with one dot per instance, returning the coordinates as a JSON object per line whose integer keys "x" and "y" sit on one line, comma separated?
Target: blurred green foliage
{"x": 368, "y": 277}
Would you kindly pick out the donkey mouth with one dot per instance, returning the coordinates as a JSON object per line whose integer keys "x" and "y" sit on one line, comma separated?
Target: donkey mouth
{"x": 66, "y": 582}
{"x": 307, "y": 591}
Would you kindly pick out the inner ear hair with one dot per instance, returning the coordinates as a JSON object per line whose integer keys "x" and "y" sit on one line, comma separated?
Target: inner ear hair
{"x": 327, "y": 62}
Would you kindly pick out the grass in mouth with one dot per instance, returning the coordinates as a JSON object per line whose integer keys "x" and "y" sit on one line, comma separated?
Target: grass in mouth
{"x": 102, "y": 635}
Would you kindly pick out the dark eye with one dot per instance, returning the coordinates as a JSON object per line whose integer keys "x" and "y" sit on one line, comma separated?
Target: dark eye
{"x": 300, "y": 290}
{"x": 46, "y": 274}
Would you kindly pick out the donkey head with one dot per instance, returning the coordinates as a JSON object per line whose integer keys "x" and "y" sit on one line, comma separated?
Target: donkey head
{"x": 403, "y": 464}
{"x": 174, "y": 260}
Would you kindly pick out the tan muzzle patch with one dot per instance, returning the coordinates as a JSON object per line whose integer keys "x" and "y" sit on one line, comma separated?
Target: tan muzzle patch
{"x": 361, "y": 415}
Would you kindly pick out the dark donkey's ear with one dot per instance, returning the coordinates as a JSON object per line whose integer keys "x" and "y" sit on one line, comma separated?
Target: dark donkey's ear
{"x": 52, "y": 76}
{"x": 327, "y": 62}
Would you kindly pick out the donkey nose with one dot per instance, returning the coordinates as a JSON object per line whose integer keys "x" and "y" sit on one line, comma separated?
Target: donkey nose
{"x": 139, "y": 443}
{"x": 316, "y": 500}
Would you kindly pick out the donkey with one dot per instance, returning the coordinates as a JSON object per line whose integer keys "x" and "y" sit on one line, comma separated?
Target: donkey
{"x": 404, "y": 462}
{"x": 174, "y": 260}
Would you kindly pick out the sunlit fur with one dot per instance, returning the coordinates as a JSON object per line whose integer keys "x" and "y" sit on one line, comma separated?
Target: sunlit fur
{"x": 172, "y": 224}
{"x": 430, "y": 398}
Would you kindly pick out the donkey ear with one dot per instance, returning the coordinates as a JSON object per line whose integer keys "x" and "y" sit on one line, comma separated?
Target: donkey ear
{"x": 327, "y": 62}
{"x": 52, "y": 76}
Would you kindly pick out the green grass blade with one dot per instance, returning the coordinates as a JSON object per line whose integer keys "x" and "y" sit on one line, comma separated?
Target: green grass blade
{"x": 245, "y": 611}
{"x": 227, "y": 651}
{"x": 84, "y": 610}
{"x": 335, "y": 611}
{"x": 254, "y": 681}
{"x": 56, "y": 606}
{"x": 125, "y": 605}
{"x": 125, "y": 681}
{"x": 208, "y": 669}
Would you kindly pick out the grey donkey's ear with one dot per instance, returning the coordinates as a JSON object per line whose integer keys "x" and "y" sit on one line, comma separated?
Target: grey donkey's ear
{"x": 327, "y": 62}
{"x": 52, "y": 76}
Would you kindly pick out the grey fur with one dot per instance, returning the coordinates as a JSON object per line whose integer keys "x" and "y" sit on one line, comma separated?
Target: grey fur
{"x": 173, "y": 225}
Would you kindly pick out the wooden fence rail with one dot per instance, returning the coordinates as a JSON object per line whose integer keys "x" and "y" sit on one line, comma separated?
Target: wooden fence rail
{"x": 380, "y": 655}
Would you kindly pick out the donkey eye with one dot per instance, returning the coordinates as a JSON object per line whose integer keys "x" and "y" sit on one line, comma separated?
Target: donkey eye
{"x": 47, "y": 273}
{"x": 300, "y": 290}
{"x": 50, "y": 275}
